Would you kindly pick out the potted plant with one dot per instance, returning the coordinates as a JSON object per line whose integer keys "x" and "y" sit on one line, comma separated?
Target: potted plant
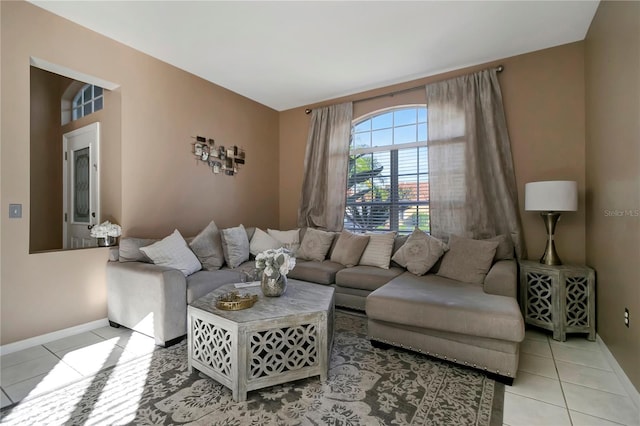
{"x": 106, "y": 233}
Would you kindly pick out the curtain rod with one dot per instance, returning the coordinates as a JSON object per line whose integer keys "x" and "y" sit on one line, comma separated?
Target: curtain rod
{"x": 307, "y": 111}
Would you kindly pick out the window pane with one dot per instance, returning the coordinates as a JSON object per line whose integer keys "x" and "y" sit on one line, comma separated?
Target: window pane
{"x": 361, "y": 127}
{"x": 422, "y": 115}
{"x": 383, "y": 159}
{"x": 81, "y": 186}
{"x": 87, "y": 93}
{"x": 404, "y": 116}
{"x": 423, "y": 160}
{"x": 97, "y": 104}
{"x": 404, "y": 134}
{"x": 87, "y": 109}
{"x": 361, "y": 140}
{"x": 383, "y": 121}
{"x": 97, "y": 91}
{"x": 422, "y": 132}
{"x": 381, "y": 137}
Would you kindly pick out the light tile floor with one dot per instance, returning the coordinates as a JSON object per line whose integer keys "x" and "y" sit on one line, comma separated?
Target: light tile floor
{"x": 40, "y": 369}
{"x": 568, "y": 383}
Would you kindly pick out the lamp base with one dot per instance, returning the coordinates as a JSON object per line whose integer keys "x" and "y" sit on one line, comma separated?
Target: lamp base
{"x": 550, "y": 256}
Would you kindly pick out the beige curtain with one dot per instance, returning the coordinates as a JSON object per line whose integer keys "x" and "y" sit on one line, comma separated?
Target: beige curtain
{"x": 472, "y": 183}
{"x": 323, "y": 197}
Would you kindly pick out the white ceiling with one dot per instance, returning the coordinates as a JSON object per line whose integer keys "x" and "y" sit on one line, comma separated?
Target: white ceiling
{"x": 290, "y": 54}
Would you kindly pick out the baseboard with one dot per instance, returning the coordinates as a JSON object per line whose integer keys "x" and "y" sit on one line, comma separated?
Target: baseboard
{"x": 50, "y": 337}
{"x": 626, "y": 383}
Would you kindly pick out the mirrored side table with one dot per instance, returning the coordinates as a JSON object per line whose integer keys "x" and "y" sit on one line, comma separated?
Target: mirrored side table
{"x": 558, "y": 298}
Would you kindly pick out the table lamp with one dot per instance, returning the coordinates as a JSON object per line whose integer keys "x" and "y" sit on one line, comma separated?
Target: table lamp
{"x": 550, "y": 198}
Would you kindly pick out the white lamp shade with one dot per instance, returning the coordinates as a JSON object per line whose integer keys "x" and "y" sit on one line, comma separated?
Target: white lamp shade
{"x": 551, "y": 196}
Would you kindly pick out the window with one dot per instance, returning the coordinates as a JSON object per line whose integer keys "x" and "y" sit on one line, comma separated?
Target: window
{"x": 88, "y": 100}
{"x": 388, "y": 177}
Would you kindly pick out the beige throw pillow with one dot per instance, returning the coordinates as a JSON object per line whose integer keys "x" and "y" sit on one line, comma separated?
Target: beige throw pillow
{"x": 235, "y": 245}
{"x": 468, "y": 260}
{"x": 378, "y": 251}
{"x": 420, "y": 252}
{"x": 207, "y": 246}
{"x": 349, "y": 248}
{"x": 173, "y": 252}
{"x": 289, "y": 239}
{"x": 262, "y": 241}
{"x": 315, "y": 245}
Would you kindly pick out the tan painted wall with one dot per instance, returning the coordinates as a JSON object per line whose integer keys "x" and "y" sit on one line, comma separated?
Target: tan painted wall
{"x": 45, "y": 161}
{"x": 612, "y": 69}
{"x": 162, "y": 187}
{"x": 543, "y": 95}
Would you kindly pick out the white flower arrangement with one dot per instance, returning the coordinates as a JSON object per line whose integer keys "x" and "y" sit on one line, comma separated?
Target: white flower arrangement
{"x": 275, "y": 261}
{"x": 106, "y": 229}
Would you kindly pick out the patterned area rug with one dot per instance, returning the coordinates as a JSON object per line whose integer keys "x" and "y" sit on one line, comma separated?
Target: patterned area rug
{"x": 366, "y": 386}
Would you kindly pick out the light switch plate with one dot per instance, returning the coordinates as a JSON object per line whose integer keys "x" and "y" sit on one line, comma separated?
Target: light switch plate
{"x": 15, "y": 211}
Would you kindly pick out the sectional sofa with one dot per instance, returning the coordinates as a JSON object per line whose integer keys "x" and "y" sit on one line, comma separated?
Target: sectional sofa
{"x": 443, "y": 303}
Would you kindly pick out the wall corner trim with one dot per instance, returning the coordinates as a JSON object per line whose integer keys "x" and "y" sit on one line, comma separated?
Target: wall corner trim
{"x": 50, "y": 337}
{"x": 626, "y": 383}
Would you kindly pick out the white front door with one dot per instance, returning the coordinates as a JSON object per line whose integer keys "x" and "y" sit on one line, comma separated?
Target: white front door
{"x": 81, "y": 185}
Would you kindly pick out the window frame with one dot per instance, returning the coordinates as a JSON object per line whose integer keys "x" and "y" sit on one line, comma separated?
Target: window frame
{"x": 395, "y": 173}
{"x": 79, "y": 102}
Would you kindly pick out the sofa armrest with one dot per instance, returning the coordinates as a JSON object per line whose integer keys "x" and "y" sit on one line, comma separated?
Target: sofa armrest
{"x": 502, "y": 279}
{"x": 147, "y": 298}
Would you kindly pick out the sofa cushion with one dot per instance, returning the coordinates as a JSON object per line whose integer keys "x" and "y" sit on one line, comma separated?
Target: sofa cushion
{"x": 444, "y": 304}
{"x": 207, "y": 246}
{"x": 366, "y": 277}
{"x": 235, "y": 245}
{"x": 129, "y": 249}
{"x": 262, "y": 241}
{"x": 420, "y": 252}
{"x": 173, "y": 252}
{"x": 315, "y": 245}
{"x": 203, "y": 282}
{"x": 467, "y": 260}
{"x": 349, "y": 248}
{"x": 378, "y": 251}
{"x": 316, "y": 272}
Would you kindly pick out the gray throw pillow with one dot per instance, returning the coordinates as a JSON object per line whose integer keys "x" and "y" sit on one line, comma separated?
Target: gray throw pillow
{"x": 349, "y": 248}
{"x": 505, "y": 247}
{"x": 235, "y": 245}
{"x": 468, "y": 260}
{"x": 420, "y": 252}
{"x": 129, "y": 249}
{"x": 315, "y": 245}
{"x": 173, "y": 252}
{"x": 207, "y": 246}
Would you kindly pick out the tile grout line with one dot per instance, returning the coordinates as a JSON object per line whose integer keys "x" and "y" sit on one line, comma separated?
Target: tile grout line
{"x": 564, "y": 397}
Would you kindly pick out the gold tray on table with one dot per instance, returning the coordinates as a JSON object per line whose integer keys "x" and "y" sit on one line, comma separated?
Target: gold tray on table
{"x": 233, "y": 301}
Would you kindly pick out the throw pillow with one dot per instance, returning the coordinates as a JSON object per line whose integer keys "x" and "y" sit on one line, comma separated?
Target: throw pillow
{"x": 349, "y": 248}
{"x": 173, "y": 252}
{"x": 129, "y": 249}
{"x": 505, "y": 247}
{"x": 262, "y": 241}
{"x": 378, "y": 251}
{"x": 315, "y": 245}
{"x": 235, "y": 246}
{"x": 420, "y": 252}
{"x": 207, "y": 246}
{"x": 289, "y": 239}
{"x": 468, "y": 260}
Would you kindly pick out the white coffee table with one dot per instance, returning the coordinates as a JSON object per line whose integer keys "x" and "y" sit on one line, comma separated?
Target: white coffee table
{"x": 279, "y": 339}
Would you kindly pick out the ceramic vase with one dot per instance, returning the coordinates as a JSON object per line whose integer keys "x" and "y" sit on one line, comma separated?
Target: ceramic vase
{"x": 273, "y": 286}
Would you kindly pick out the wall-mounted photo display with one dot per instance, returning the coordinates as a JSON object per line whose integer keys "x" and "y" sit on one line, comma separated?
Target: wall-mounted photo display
{"x": 218, "y": 158}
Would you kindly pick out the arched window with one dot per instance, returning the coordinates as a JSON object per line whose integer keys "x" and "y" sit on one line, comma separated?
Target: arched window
{"x": 88, "y": 100}
{"x": 388, "y": 179}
